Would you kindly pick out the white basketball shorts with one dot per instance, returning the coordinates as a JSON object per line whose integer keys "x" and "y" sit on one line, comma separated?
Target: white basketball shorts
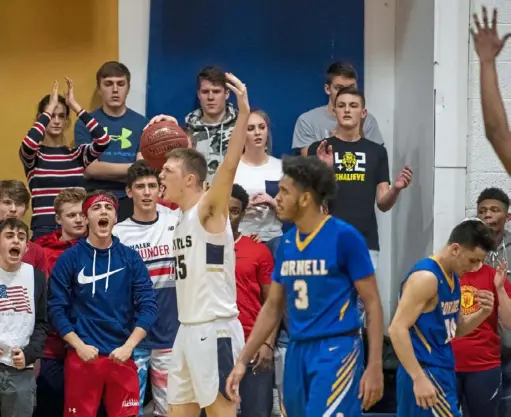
{"x": 202, "y": 358}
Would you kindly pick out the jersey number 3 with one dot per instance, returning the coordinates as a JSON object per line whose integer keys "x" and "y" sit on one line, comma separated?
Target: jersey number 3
{"x": 302, "y": 298}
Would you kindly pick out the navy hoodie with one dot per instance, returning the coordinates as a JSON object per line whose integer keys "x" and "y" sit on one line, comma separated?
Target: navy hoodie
{"x": 101, "y": 294}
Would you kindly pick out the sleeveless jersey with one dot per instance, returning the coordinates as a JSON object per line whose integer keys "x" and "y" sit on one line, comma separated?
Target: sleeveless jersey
{"x": 205, "y": 280}
{"x": 318, "y": 273}
{"x": 432, "y": 332}
{"x": 153, "y": 242}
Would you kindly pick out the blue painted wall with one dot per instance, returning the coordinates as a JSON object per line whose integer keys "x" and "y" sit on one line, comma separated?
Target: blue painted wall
{"x": 279, "y": 49}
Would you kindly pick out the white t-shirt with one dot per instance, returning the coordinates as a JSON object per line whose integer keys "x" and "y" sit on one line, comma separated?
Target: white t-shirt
{"x": 261, "y": 219}
{"x": 205, "y": 280}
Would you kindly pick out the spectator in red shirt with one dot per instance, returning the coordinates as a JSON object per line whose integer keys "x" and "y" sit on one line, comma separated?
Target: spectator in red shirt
{"x": 254, "y": 266}
{"x": 14, "y": 202}
{"x": 50, "y": 381}
{"x": 477, "y": 355}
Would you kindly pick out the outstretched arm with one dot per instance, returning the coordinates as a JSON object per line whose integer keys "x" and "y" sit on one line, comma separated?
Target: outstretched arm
{"x": 488, "y": 45}
{"x": 216, "y": 200}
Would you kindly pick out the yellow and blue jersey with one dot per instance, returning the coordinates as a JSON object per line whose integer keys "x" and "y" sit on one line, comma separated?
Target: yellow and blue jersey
{"x": 318, "y": 272}
{"x": 324, "y": 359}
{"x": 433, "y": 331}
{"x": 431, "y": 336}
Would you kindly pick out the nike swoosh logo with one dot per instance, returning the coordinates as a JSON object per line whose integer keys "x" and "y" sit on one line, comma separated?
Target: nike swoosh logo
{"x": 84, "y": 279}
{"x": 333, "y": 348}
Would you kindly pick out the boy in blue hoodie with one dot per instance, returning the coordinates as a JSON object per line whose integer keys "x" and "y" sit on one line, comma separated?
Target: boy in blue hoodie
{"x": 102, "y": 303}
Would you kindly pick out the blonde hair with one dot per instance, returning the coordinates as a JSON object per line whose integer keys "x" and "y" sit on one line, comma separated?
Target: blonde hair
{"x": 266, "y": 118}
{"x": 69, "y": 195}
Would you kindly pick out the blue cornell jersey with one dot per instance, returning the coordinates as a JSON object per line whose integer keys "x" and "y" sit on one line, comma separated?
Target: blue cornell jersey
{"x": 318, "y": 272}
{"x": 431, "y": 336}
{"x": 324, "y": 359}
{"x": 432, "y": 332}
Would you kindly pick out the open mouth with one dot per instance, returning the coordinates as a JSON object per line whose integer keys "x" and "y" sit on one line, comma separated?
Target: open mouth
{"x": 103, "y": 223}
{"x": 15, "y": 252}
{"x": 258, "y": 141}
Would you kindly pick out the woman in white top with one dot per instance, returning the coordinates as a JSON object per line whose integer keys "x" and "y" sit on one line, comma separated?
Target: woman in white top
{"x": 259, "y": 173}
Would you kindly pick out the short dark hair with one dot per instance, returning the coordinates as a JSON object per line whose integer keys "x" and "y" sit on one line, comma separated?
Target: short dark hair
{"x": 100, "y": 192}
{"x": 16, "y": 191}
{"x": 354, "y": 92}
{"x": 494, "y": 193}
{"x": 239, "y": 193}
{"x": 46, "y": 100}
{"x": 140, "y": 169}
{"x": 473, "y": 233}
{"x": 13, "y": 224}
{"x": 340, "y": 69}
{"x": 194, "y": 162}
{"x": 113, "y": 69}
{"x": 311, "y": 175}
{"x": 214, "y": 75}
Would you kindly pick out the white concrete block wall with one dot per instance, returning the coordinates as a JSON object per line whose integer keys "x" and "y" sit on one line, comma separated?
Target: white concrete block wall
{"x": 483, "y": 167}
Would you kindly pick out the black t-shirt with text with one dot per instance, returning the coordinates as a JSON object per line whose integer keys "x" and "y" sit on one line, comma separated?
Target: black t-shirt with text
{"x": 359, "y": 167}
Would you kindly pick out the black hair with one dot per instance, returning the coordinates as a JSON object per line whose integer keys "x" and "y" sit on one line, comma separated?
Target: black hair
{"x": 354, "y": 92}
{"x": 140, "y": 169}
{"x": 340, "y": 69}
{"x": 494, "y": 193}
{"x": 312, "y": 175}
{"x": 13, "y": 224}
{"x": 46, "y": 100}
{"x": 473, "y": 234}
{"x": 239, "y": 193}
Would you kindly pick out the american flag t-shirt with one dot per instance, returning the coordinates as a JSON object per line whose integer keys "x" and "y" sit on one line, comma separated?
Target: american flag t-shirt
{"x": 14, "y": 298}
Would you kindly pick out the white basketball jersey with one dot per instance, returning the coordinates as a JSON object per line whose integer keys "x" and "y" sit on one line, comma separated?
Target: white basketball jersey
{"x": 205, "y": 280}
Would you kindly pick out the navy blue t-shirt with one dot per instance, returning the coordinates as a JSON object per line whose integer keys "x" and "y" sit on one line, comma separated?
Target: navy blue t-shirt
{"x": 125, "y": 132}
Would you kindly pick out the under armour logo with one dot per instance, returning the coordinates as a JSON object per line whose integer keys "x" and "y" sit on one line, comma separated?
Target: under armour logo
{"x": 72, "y": 410}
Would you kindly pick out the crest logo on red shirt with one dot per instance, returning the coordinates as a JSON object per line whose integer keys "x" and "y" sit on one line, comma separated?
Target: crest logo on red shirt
{"x": 468, "y": 303}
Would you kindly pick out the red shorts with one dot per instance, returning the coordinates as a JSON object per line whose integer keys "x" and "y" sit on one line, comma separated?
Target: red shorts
{"x": 87, "y": 382}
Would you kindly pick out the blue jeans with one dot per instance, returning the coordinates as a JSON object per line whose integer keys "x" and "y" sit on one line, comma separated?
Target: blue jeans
{"x": 505, "y": 400}
{"x": 479, "y": 392}
{"x": 256, "y": 392}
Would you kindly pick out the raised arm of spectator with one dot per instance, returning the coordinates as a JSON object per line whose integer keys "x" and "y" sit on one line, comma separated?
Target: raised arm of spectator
{"x": 30, "y": 144}
{"x": 34, "y": 349}
{"x": 488, "y": 45}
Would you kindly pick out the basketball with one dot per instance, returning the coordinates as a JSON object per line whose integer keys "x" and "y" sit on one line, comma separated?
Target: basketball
{"x": 159, "y": 139}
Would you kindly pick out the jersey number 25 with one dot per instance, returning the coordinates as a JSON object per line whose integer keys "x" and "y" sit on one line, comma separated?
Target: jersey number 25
{"x": 302, "y": 298}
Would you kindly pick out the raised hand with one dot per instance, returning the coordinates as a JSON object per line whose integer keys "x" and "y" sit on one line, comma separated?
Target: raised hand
{"x": 325, "y": 153}
{"x": 487, "y": 41}
{"x": 404, "y": 178}
{"x": 161, "y": 118}
{"x": 70, "y": 96}
{"x": 238, "y": 88}
{"x": 54, "y": 98}
{"x": 501, "y": 275}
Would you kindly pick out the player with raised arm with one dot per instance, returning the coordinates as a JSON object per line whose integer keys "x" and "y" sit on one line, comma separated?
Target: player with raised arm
{"x": 210, "y": 335}
{"x": 428, "y": 318}
{"x": 488, "y": 45}
{"x": 321, "y": 265}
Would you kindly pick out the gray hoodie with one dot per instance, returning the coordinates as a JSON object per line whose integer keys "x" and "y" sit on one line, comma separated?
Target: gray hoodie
{"x": 212, "y": 139}
{"x": 503, "y": 252}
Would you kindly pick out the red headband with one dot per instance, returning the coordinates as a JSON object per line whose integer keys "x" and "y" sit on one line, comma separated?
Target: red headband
{"x": 98, "y": 198}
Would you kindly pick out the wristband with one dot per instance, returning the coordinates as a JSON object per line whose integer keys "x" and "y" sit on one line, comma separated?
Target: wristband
{"x": 267, "y": 344}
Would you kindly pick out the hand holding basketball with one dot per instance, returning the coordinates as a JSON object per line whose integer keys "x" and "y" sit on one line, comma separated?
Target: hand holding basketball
{"x": 161, "y": 118}
{"x": 240, "y": 89}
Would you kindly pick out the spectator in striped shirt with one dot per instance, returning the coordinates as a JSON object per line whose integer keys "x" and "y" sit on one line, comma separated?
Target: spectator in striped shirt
{"x": 50, "y": 165}
{"x": 14, "y": 202}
